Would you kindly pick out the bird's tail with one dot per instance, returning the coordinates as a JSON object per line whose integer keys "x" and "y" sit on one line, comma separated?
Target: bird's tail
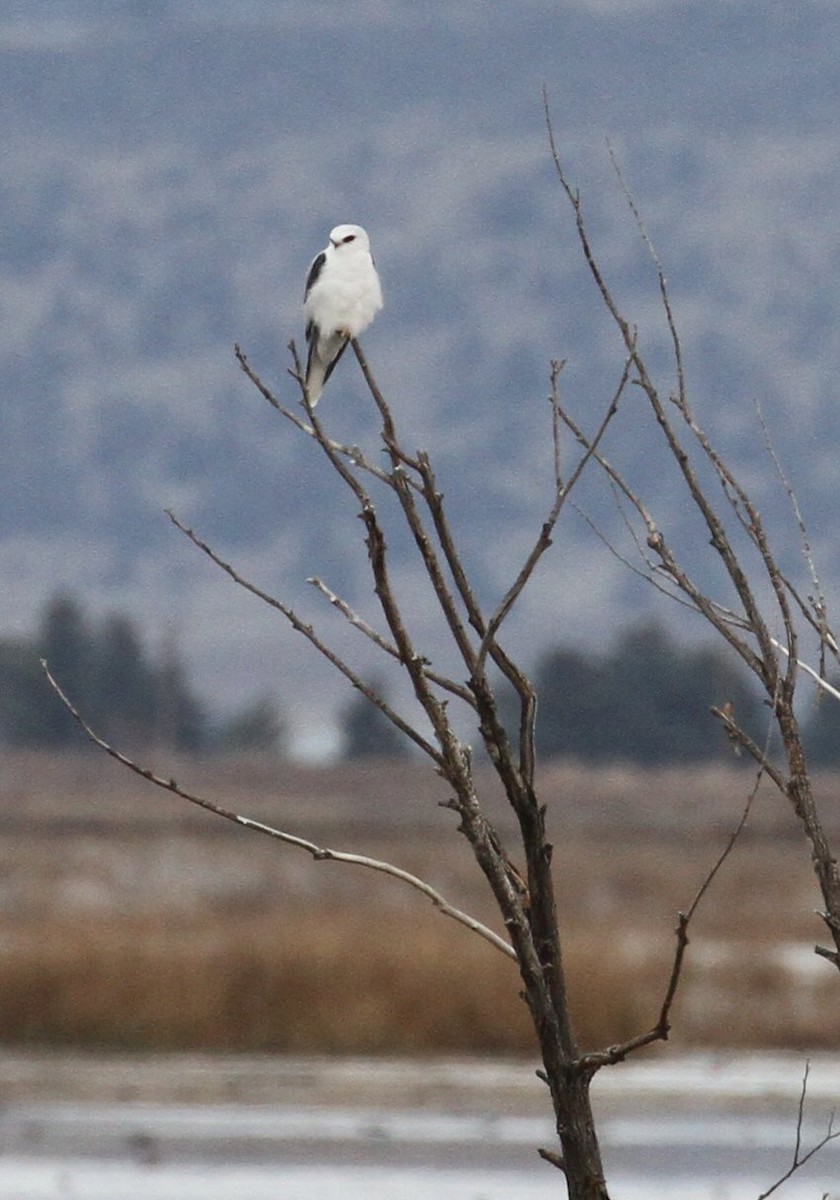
{"x": 316, "y": 377}
{"x": 324, "y": 353}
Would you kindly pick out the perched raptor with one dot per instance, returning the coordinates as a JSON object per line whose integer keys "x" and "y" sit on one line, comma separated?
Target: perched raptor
{"x": 343, "y": 295}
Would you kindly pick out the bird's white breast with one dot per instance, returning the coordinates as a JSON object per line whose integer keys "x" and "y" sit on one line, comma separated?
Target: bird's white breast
{"x": 347, "y": 294}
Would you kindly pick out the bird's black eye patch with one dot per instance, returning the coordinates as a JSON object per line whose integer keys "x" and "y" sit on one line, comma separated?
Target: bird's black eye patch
{"x": 351, "y": 237}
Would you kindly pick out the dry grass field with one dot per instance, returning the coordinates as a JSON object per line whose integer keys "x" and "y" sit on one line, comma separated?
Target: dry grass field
{"x": 130, "y": 919}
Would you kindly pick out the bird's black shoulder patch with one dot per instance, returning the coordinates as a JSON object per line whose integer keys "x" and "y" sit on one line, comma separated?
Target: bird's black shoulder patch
{"x": 314, "y": 272}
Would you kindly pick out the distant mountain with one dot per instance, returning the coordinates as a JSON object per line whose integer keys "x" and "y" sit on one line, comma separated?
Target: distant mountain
{"x": 171, "y": 168}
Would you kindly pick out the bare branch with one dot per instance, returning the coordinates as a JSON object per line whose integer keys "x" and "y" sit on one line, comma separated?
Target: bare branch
{"x": 763, "y": 664}
{"x": 414, "y": 662}
{"x": 764, "y": 661}
{"x": 388, "y": 430}
{"x": 518, "y": 680}
{"x": 453, "y": 759}
{"x": 433, "y": 498}
{"x": 807, "y": 551}
{"x": 818, "y": 679}
{"x": 402, "y": 486}
{"x": 387, "y": 647}
{"x": 743, "y": 740}
{"x": 661, "y": 1030}
{"x": 318, "y": 853}
{"x": 562, "y": 492}
{"x": 583, "y": 237}
{"x": 552, "y": 1157}
{"x": 750, "y": 519}
{"x": 300, "y": 626}
{"x": 528, "y": 906}
{"x": 799, "y": 1159}
{"x": 816, "y": 610}
{"x": 354, "y": 453}
{"x": 730, "y": 844}
{"x": 667, "y": 564}
{"x": 403, "y": 469}
{"x": 663, "y": 287}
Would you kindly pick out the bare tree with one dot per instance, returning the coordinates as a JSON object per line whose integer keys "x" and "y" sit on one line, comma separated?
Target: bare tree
{"x": 768, "y": 613}
{"x": 760, "y": 626}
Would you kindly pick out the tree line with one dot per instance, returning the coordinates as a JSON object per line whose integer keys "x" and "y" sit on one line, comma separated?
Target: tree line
{"x": 644, "y": 699}
{"x": 130, "y": 696}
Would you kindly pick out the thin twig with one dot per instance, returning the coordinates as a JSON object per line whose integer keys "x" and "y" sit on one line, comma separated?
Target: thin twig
{"x": 448, "y": 685}
{"x": 354, "y": 453}
{"x": 667, "y": 563}
{"x": 301, "y": 626}
{"x": 318, "y": 853}
{"x": 800, "y": 1159}
{"x": 817, "y": 614}
{"x": 404, "y": 468}
{"x": 740, "y": 737}
{"x": 821, "y": 683}
{"x": 528, "y": 907}
{"x": 562, "y": 492}
{"x": 475, "y": 617}
{"x": 388, "y": 428}
{"x": 377, "y": 552}
{"x": 660, "y": 1031}
{"x": 663, "y": 286}
{"x": 764, "y": 664}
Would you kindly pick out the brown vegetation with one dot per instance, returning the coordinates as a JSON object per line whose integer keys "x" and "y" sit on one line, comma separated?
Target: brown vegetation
{"x": 130, "y": 920}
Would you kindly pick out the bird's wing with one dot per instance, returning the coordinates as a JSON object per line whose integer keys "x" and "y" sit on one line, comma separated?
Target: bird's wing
{"x": 314, "y": 272}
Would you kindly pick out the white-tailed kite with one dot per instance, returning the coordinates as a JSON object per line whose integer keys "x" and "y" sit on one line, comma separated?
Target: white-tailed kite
{"x": 343, "y": 295}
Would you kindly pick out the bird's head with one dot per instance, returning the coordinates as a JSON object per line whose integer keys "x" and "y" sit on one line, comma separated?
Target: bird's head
{"x": 349, "y": 235}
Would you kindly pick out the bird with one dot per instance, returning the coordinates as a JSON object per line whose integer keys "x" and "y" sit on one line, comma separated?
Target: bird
{"x": 343, "y": 295}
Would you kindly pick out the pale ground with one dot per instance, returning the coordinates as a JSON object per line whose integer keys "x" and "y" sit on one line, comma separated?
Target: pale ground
{"x": 705, "y": 1127}
{"x": 702, "y": 1082}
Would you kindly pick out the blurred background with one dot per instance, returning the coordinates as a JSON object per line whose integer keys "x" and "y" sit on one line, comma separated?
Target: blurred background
{"x": 169, "y": 171}
{"x": 171, "y": 168}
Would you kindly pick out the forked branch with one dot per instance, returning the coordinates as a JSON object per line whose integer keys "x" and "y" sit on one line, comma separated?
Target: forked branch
{"x": 761, "y": 630}
{"x": 661, "y": 1030}
{"x": 562, "y": 491}
{"x": 301, "y": 626}
{"x": 800, "y": 1157}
